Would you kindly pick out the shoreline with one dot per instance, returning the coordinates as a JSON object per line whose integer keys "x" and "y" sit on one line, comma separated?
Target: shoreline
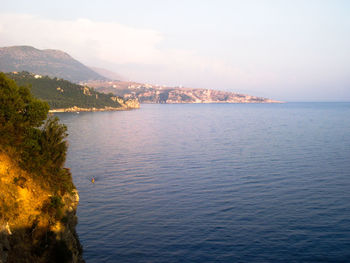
{"x": 218, "y": 102}
{"x": 77, "y": 109}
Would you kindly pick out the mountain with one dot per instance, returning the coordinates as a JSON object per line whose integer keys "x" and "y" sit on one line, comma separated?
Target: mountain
{"x": 147, "y": 93}
{"x": 58, "y": 64}
{"x": 107, "y": 73}
{"x": 54, "y": 63}
{"x": 62, "y": 94}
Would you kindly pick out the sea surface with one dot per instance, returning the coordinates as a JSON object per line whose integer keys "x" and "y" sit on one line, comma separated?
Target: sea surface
{"x": 213, "y": 182}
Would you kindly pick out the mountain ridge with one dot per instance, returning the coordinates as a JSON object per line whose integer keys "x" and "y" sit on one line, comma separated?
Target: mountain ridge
{"x": 56, "y": 63}
{"x": 51, "y": 62}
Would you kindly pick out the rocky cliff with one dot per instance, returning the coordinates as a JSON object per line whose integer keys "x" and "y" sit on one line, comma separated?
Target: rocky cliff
{"x": 36, "y": 225}
{"x": 38, "y": 199}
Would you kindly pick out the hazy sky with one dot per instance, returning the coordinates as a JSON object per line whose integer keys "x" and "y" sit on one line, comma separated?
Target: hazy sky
{"x": 287, "y": 50}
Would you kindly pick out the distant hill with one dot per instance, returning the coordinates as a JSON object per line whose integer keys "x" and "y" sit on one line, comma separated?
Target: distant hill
{"x": 54, "y": 63}
{"x": 108, "y": 74}
{"x": 62, "y": 94}
{"x": 147, "y": 93}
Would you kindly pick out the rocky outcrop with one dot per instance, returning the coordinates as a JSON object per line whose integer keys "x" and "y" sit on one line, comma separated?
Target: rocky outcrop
{"x": 132, "y": 104}
{"x": 5, "y": 232}
{"x": 36, "y": 224}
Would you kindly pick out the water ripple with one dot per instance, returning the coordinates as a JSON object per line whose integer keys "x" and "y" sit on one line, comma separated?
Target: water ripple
{"x": 213, "y": 183}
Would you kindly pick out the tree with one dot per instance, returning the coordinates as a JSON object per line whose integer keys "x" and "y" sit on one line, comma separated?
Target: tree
{"x": 52, "y": 143}
{"x": 38, "y": 141}
{"x": 20, "y": 112}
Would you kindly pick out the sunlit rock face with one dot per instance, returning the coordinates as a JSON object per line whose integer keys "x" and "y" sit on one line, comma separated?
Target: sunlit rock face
{"x": 132, "y": 104}
{"x": 34, "y": 226}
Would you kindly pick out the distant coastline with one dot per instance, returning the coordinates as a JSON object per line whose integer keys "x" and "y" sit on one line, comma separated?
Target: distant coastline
{"x": 220, "y": 102}
{"x": 77, "y": 109}
{"x": 147, "y": 93}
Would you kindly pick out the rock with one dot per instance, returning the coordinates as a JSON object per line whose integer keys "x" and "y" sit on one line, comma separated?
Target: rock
{"x": 31, "y": 227}
{"x": 4, "y": 242}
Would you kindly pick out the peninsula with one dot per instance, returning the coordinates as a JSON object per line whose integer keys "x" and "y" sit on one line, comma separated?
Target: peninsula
{"x": 65, "y": 96}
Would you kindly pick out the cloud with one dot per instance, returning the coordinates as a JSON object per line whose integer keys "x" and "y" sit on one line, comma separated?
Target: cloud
{"x": 257, "y": 66}
{"x": 82, "y": 37}
{"x": 132, "y": 51}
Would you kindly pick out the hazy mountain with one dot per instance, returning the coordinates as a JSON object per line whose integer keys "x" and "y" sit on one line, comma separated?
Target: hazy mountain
{"x": 54, "y": 63}
{"x": 107, "y": 73}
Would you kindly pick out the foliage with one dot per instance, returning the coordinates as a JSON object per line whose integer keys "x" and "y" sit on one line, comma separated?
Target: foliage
{"x": 19, "y": 112}
{"x": 38, "y": 141}
{"x": 56, "y": 201}
{"x": 59, "y": 93}
{"x": 53, "y": 206}
{"x": 46, "y": 146}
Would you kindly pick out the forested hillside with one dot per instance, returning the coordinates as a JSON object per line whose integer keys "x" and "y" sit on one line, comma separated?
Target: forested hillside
{"x": 59, "y": 93}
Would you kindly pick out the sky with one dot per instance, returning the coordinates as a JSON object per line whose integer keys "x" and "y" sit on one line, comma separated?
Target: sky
{"x": 292, "y": 50}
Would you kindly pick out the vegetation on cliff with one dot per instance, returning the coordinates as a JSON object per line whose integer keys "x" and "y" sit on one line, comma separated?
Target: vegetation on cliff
{"x": 37, "y": 195}
{"x": 35, "y": 140}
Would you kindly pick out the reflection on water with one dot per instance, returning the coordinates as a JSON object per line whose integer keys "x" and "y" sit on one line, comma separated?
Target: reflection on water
{"x": 214, "y": 182}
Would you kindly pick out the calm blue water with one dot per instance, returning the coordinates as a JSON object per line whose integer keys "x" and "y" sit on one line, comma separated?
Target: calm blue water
{"x": 213, "y": 183}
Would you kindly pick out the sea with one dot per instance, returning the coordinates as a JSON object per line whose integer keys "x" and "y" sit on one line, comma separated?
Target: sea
{"x": 213, "y": 182}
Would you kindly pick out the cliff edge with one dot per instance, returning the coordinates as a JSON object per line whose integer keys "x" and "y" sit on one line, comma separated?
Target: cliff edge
{"x": 36, "y": 224}
{"x": 38, "y": 199}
